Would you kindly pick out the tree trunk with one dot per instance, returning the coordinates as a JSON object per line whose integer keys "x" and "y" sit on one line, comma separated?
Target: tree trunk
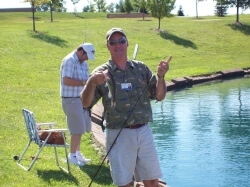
{"x": 33, "y": 16}
{"x": 221, "y": 9}
{"x": 197, "y": 9}
{"x": 51, "y": 15}
{"x": 237, "y": 14}
{"x": 159, "y": 23}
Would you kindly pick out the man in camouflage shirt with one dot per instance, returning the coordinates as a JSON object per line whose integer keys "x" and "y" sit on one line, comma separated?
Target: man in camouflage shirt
{"x": 126, "y": 88}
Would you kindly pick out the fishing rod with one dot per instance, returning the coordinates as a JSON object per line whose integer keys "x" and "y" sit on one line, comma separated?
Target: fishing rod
{"x": 135, "y": 51}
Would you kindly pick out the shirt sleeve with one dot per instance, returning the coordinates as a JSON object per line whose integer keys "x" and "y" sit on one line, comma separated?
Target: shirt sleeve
{"x": 151, "y": 84}
{"x": 68, "y": 67}
{"x": 85, "y": 73}
{"x": 100, "y": 89}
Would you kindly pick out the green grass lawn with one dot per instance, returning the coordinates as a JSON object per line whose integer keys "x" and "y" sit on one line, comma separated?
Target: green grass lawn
{"x": 30, "y": 66}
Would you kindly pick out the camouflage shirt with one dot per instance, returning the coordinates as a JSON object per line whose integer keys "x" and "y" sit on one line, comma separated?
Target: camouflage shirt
{"x": 126, "y": 99}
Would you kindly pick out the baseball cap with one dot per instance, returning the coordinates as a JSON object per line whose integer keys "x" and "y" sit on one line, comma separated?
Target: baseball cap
{"x": 112, "y": 31}
{"x": 89, "y": 49}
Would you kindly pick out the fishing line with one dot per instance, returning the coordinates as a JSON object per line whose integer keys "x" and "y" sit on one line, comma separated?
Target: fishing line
{"x": 85, "y": 31}
{"x": 121, "y": 130}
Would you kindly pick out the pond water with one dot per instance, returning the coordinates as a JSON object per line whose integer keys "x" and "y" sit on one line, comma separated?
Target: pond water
{"x": 202, "y": 134}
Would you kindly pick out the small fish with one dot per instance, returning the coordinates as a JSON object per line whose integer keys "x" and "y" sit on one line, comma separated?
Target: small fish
{"x": 110, "y": 82}
{"x": 166, "y": 62}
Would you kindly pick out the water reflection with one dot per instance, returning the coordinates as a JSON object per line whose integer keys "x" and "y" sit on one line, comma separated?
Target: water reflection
{"x": 202, "y": 134}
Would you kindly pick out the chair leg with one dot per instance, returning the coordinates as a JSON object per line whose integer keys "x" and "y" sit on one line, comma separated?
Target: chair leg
{"x": 57, "y": 161}
{"x": 66, "y": 153}
{"x": 33, "y": 161}
{"x": 20, "y": 158}
{"x": 67, "y": 158}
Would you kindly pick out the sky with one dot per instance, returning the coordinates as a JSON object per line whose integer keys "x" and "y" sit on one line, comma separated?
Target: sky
{"x": 205, "y": 8}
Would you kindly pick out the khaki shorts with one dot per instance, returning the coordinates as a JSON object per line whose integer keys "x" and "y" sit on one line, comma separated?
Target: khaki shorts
{"x": 133, "y": 153}
{"x": 78, "y": 119}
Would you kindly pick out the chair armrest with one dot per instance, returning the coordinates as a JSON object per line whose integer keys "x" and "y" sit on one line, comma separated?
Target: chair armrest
{"x": 46, "y": 124}
{"x": 52, "y": 130}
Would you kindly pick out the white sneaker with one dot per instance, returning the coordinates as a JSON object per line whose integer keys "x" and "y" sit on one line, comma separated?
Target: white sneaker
{"x": 73, "y": 160}
{"x": 81, "y": 158}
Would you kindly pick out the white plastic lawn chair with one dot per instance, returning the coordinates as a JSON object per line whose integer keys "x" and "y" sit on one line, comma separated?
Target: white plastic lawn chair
{"x": 33, "y": 131}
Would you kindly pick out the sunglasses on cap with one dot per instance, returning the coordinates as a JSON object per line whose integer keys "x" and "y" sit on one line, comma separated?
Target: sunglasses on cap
{"x": 114, "y": 42}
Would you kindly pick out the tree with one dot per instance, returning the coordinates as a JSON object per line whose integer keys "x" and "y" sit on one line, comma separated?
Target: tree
{"x": 86, "y": 8}
{"x": 128, "y": 6}
{"x": 160, "y": 9}
{"x": 221, "y": 8}
{"x": 135, "y": 5}
{"x": 120, "y": 6}
{"x": 91, "y": 8}
{"x": 54, "y": 4}
{"x": 74, "y": 3}
{"x": 34, "y": 4}
{"x": 111, "y": 7}
{"x": 142, "y": 6}
{"x": 244, "y": 4}
{"x": 197, "y": 1}
{"x": 101, "y": 5}
{"x": 51, "y": 5}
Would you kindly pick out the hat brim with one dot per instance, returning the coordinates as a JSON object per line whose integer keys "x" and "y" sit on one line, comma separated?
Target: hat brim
{"x": 91, "y": 56}
{"x": 115, "y": 32}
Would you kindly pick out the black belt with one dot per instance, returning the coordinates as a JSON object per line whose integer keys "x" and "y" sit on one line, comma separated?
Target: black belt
{"x": 137, "y": 126}
{"x": 70, "y": 97}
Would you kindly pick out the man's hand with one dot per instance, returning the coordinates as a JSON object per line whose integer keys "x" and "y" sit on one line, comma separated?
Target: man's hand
{"x": 97, "y": 78}
{"x": 87, "y": 94}
{"x": 163, "y": 67}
